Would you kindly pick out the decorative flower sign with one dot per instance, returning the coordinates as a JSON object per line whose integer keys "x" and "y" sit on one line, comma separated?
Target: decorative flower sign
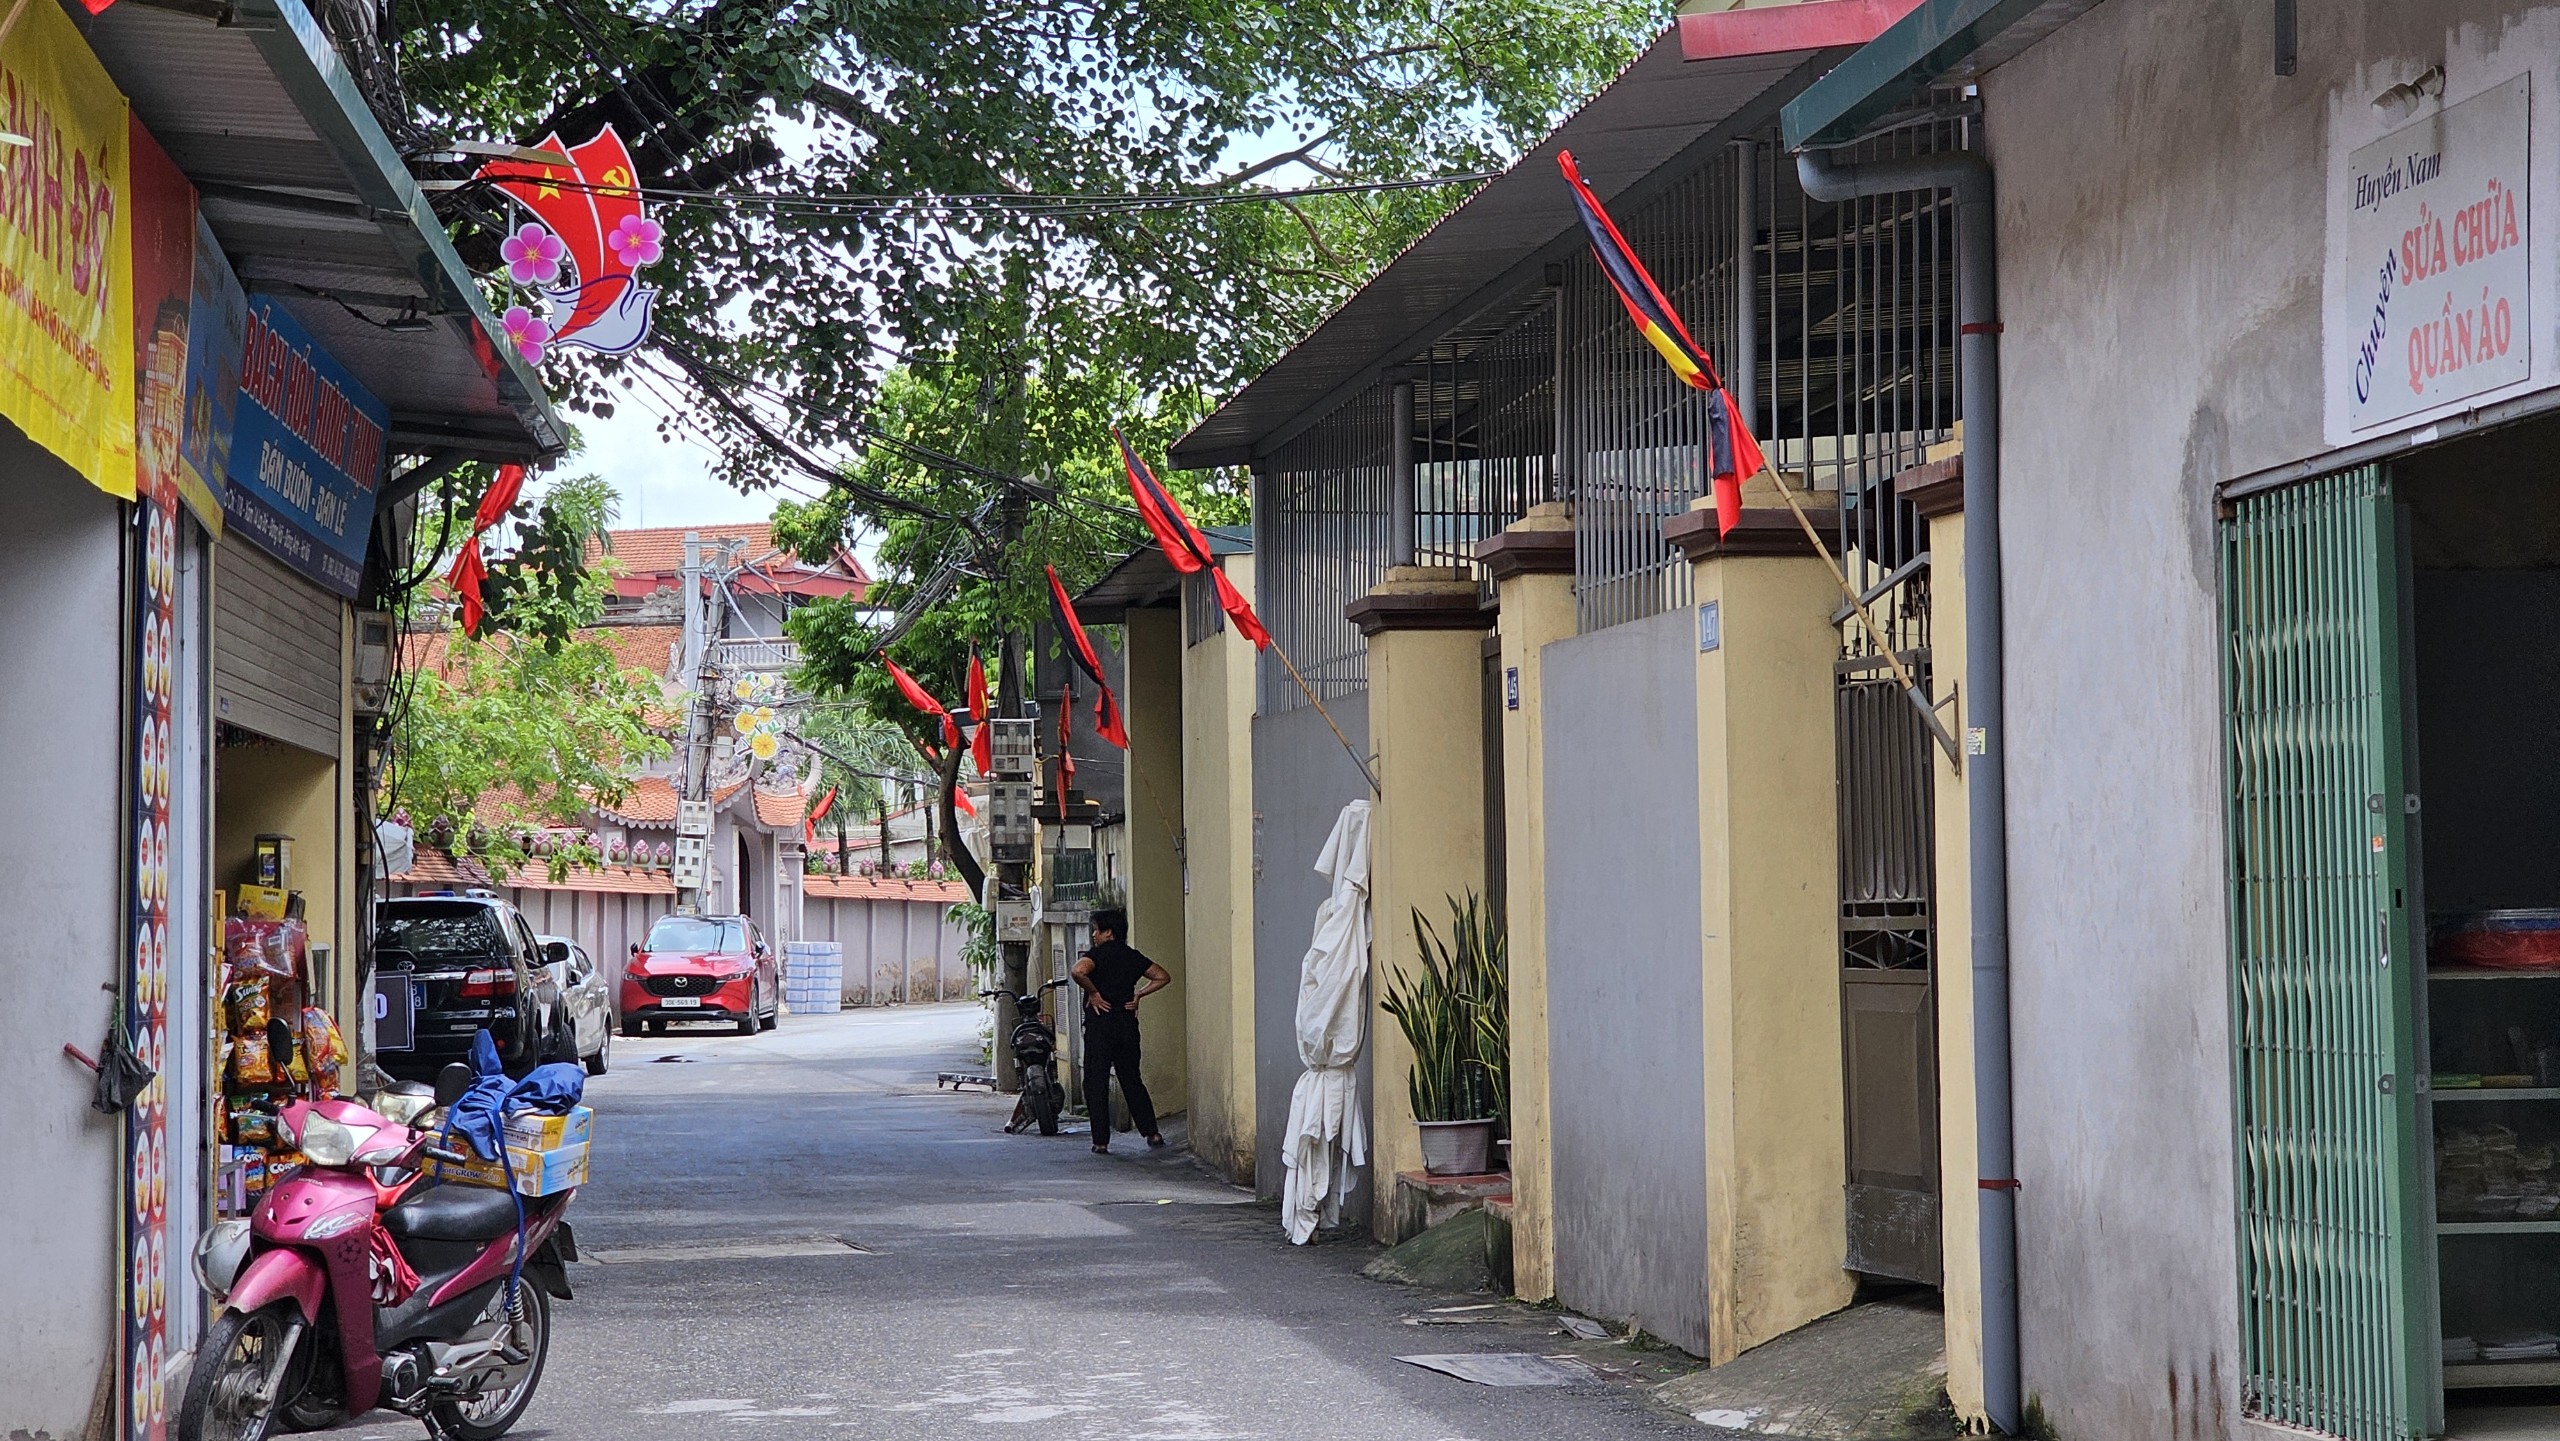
{"x": 582, "y": 252}
{"x": 756, "y": 720}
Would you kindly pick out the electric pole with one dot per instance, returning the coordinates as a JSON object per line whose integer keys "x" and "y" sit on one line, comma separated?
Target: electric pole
{"x": 1010, "y": 830}
{"x": 702, "y": 625}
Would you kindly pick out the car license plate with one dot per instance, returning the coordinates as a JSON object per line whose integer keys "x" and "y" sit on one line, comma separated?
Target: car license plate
{"x": 681, "y": 1003}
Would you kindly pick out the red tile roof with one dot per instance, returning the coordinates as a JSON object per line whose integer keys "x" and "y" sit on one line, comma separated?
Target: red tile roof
{"x": 616, "y": 880}
{"x": 652, "y": 558}
{"x": 433, "y": 867}
{"x": 882, "y": 888}
{"x": 782, "y": 810}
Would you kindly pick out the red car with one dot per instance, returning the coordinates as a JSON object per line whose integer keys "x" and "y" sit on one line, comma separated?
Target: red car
{"x": 702, "y": 968}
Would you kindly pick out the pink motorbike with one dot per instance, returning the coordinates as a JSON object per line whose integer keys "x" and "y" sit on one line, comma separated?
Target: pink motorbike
{"x": 356, "y": 1284}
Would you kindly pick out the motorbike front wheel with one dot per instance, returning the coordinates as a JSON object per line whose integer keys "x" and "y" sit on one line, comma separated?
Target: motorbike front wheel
{"x": 1043, "y": 1097}
{"x": 239, "y": 1352}
{"x": 487, "y": 1416}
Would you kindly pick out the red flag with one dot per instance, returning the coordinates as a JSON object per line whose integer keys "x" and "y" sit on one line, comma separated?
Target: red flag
{"x": 1106, "y": 709}
{"x": 959, "y": 794}
{"x": 1732, "y": 455}
{"x": 982, "y": 735}
{"x": 1182, "y": 542}
{"x": 817, "y": 813}
{"x": 922, "y": 700}
{"x": 469, "y": 568}
{"x": 465, "y": 577}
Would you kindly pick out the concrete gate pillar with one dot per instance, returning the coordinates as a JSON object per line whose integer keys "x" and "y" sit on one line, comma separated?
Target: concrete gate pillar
{"x": 1426, "y": 834}
{"x": 1532, "y": 566}
{"x": 1936, "y": 490}
{"x": 1151, "y": 799}
{"x": 1769, "y": 889}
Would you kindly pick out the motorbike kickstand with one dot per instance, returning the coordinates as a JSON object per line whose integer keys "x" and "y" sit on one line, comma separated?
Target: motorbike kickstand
{"x": 435, "y": 1428}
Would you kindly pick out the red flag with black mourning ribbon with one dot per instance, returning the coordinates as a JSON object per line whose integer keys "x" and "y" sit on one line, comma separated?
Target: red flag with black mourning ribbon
{"x": 1106, "y": 709}
{"x": 1182, "y": 542}
{"x": 981, "y": 734}
{"x": 1732, "y": 455}
{"x": 923, "y": 700}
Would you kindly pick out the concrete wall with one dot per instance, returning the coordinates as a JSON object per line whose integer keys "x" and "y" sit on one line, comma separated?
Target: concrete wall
{"x": 2164, "y": 205}
{"x": 1301, "y": 782}
{"x": 1217, "y": 878}
{"x": 62, "y": 714}
{"x": 1625, "y": 1011}
{"x": 1959, "y": 1174}
{"x": 894, "y": 950}
{"x": 1151, "y": 705}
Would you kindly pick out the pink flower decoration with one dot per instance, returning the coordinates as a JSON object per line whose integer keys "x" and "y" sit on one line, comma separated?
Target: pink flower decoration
{"x": 526, "y": 331}
{"x": 533, "y": 255}
{"x": 634, "y": 242}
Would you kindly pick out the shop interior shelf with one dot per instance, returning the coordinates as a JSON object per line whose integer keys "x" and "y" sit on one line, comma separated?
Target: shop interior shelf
{"x": 2501, "y": 1373}
{"x": 2487, "y": 973}
{"x": 2499, "y": 1093}
{"x": 2498, "y": 1228}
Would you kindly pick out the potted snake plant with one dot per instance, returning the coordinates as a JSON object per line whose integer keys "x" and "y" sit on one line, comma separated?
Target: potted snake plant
{"x": 1454, "y": 1010}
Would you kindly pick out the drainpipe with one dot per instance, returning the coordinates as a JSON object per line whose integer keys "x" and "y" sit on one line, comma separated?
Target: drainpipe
{"x": 1986, "y": 782}
{"x": 1745, "y": 378}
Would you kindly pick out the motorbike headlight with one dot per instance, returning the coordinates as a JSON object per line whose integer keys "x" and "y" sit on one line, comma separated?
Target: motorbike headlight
{"x": 220, "y": 1254}
{"x": 327, "y": 1143}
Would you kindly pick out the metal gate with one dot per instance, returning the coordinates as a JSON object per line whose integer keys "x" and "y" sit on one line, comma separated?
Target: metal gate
{"x": 2334, "y": 1291}
{"x": 1888, "y": 990}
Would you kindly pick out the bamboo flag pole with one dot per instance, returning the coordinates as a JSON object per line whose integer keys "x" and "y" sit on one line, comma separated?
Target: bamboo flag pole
{"x": 1309, "y": 691}
{"x": 1866, "y": 618}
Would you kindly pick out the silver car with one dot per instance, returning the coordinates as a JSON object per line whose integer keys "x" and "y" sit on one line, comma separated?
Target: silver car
{"x": 584, "y": 995}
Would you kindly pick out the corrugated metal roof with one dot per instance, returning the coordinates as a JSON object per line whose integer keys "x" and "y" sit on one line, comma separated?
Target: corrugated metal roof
{"x": 307, "y": 195}
{"x": 1632, "y": 139}
{"x": 1144, "y": 577}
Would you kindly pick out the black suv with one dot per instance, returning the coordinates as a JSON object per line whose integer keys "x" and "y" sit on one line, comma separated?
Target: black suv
{"x": 469, "y": 961}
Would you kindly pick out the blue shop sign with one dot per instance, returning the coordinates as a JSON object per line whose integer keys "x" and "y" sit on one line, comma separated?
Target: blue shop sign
{"x": 306, "y": 452}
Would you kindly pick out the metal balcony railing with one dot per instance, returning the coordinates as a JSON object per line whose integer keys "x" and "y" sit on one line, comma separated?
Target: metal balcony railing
{"x": 752, "y": 653}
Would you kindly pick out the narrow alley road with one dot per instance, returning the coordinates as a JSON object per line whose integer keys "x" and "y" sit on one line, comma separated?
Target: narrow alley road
{"x": 1005, "y": 1285}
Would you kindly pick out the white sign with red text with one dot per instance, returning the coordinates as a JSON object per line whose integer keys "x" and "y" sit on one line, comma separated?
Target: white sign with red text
{"x": 2437, "y": 306}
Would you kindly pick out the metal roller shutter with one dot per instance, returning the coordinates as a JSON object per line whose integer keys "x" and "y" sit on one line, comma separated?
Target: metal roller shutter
{"x": 2335, "y": 1299}
{"x": 276, "y": 640}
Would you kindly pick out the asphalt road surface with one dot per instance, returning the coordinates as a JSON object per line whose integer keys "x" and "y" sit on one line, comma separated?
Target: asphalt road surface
{"x": 797, "y": 1235}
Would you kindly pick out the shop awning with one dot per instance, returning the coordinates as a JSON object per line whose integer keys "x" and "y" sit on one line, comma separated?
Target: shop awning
{"x": 314, "y": 207}
{"x": 1674, "y": 105}
{"x": 1939, "y": 40}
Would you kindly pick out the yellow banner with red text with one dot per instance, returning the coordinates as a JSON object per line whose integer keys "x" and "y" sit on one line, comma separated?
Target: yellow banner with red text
{"x": 66, "y": 261}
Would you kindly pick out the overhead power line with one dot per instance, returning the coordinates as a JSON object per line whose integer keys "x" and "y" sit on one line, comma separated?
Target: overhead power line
{"x": 1055, "y": 205}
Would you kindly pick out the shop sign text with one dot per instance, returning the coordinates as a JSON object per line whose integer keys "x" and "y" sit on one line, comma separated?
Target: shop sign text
{"x": 2438, "y": 277}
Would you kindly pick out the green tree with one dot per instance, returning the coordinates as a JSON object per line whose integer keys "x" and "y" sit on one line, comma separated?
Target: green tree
{"x": 526, "y": 725}
{"x": 846, "y": 183}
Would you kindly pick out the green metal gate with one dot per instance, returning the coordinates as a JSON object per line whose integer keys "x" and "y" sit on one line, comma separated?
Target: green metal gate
{"x": 2336, "y": 1290}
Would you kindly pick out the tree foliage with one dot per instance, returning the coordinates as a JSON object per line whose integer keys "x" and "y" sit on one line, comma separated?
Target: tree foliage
{"x": 814, "y": 160}
{"x": 525, "y": 726}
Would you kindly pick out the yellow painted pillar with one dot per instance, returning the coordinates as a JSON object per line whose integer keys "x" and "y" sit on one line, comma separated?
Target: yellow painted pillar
{"x": 1936, "y": 490}
{"x": 1217, "y": 857}
{"x": 1426, "y": 835}
{"x": 1532, "y": 567}
{"x": 1769, "y": 888}
{"x": 1151, "y": 798}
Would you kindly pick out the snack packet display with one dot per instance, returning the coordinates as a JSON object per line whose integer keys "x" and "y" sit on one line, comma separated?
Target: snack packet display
{"x": 324, "y": 1050}
{"x": 245, "y": 999}
{"x": 278, "y": 948}
{"x": 252, "y": 1064}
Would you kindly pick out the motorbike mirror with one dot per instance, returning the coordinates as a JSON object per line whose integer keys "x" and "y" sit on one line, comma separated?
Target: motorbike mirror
{"x": 555, "y": 953}
{"x": 453, "y": 1083}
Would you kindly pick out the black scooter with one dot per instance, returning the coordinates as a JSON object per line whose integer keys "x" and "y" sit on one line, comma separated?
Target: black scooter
{"x": 1035, "y": 1053}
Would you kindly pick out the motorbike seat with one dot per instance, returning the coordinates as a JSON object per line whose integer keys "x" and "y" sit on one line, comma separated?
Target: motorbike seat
{"x": 453, "y": 1213}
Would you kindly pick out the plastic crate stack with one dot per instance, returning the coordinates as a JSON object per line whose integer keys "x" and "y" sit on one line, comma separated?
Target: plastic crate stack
{"x": 813, "y": 977}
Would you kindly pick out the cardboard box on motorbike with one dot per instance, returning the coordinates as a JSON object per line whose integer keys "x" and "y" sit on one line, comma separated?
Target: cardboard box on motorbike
{"x": 546, "y": 1153}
